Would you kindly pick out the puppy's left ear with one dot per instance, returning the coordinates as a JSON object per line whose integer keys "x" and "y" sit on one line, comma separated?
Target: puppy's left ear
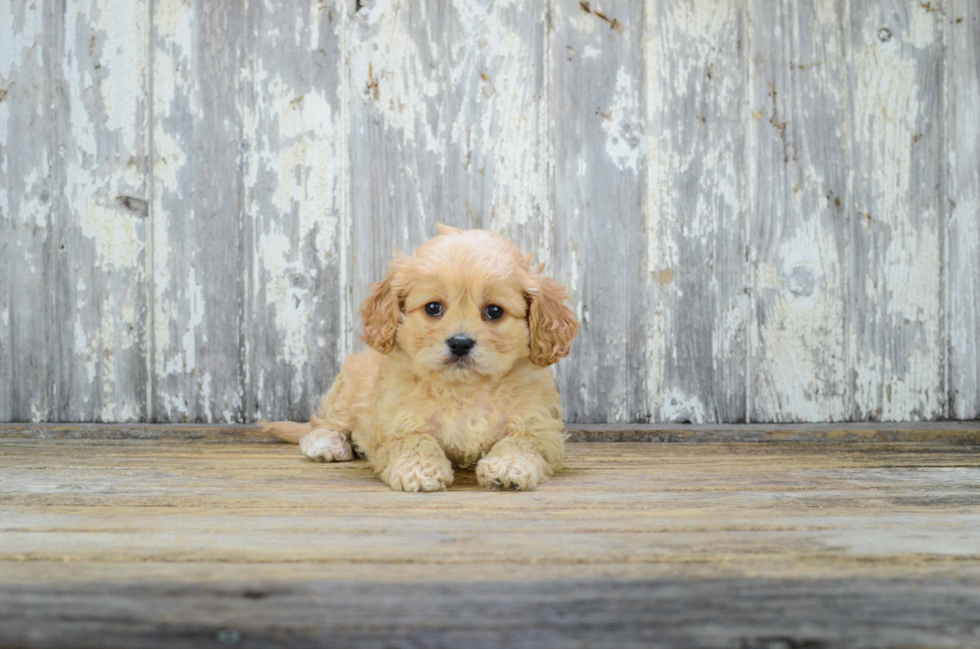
{"x": 551, "y": 324}
{"x": 381, "y": 312}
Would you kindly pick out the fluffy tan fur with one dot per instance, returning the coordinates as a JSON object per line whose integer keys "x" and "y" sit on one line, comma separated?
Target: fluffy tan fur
{"x": 413, "y": 412}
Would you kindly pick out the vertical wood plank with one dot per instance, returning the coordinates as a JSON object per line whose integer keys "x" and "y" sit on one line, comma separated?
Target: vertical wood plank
{"x": 895, "y": 320}
{"x": 696, "y": 247}
{"x": 963, "y": 152}
{"x": 799, "y": 210}
{"x": 28, "y": 48}
{"x": 102, "y": 263}
{"x": 600, "y": 194}
{"x": 198, "y": 253}
{"x": 449, "y": 123}
{"x": 296, "y": 195}
{"x": 78, "y": 183}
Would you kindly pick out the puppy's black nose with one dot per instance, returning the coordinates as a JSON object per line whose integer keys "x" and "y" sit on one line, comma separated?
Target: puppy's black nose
{"x": 460, "y": 345}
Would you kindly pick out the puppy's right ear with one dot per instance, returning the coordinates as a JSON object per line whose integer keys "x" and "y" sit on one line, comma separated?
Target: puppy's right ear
{"x": 380, "y": 313}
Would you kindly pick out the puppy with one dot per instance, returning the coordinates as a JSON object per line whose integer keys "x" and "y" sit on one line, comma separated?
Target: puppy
{"x": 460, "y": 337}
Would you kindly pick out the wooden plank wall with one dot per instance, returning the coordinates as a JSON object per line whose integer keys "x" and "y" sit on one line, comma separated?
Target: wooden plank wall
{"x": 765, "y": 211}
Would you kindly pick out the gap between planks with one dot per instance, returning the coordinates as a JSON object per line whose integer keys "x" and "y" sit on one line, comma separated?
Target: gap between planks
{"x": 962, "y": 432}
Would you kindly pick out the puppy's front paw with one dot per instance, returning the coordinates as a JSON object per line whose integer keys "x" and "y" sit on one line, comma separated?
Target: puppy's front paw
{"x": 418, "y": 472}
{"x": 512, "y": 470}
{"x": 326, "y": 445}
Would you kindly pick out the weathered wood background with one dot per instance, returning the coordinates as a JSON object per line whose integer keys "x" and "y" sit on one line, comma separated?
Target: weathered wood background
{"x": 766, "y": 210}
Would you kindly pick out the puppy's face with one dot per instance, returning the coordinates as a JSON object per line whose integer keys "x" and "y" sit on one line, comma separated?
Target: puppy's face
{"x": 464, "y": 315}
{"x": 466, "y": 308}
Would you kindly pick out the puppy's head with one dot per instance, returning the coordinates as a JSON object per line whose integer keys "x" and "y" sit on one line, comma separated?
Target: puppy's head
{"x": 467, "y": 307}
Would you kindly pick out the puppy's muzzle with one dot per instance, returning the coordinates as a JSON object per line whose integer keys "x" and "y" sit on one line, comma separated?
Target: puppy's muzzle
{"x": 460, "y": 345}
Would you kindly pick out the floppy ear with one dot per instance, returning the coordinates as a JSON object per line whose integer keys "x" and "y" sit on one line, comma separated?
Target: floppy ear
{"x": 380, "y": 313}
{"x": 550, "y": 322}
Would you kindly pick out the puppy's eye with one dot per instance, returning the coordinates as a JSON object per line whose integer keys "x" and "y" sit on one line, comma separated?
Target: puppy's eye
{"x": 493, "y": 312}
{"x": 434, "y": 309}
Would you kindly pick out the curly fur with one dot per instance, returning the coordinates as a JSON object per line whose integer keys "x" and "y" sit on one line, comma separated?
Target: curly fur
{"x": 413, "y": 412}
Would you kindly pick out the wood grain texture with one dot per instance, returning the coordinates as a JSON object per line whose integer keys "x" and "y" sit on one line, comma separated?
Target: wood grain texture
{"x": 178, "y": 543}
{"x": 74, "y": 210}
{"x": 895, "y": 322}
{"x": 296, "y": 197}
{"x": 28, "y": 191}
{"x": 600, "y": 194}
{"x": 963, "y": 182}
{"x": 197, "y": 214}
{"x": 797, "y": 161}
{"x": 103, "y": 197}
{"x": 696, "y": 270}
{"x": 723, "y": 613}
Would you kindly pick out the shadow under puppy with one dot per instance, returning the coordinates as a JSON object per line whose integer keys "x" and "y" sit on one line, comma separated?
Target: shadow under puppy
{"x": 461, "y": 336}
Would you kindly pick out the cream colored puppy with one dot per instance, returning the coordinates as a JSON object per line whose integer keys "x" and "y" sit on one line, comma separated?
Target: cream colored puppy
{"x": 461, "y": 335}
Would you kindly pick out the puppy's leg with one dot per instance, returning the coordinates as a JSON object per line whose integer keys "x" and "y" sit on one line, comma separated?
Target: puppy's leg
{"x": 413, "y": 462}
{"x": 522, "y": 460}
{"x": 326, "y": 445}
{"x": 337, "y": 416}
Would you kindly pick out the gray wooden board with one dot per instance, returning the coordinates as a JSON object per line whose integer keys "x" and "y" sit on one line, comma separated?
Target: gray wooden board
{"x": 696, "y": 268}
{"x": 896, "y": 210}
{"x": 797, "y": 164}
{"x": 763, "y": 212}
{"x": 73, "y": 211}
{"x": 746, "y": 613}
{"x": 963, "y": 151}
{"x": 197, "y": 212}
{"x": 27, "y": 195}
{"x": 295, "y": 207}
{"x": 599, "y": 113}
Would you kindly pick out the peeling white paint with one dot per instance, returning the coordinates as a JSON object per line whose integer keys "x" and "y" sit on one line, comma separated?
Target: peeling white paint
{"x": 962, "y": 305}
{"x": 304, "y": 164}
{"x": 207, "y": 398}
{"x": 828, "y": 13}
{"x": 921, "y": 28}
{"x": 33, "y": 207}
{"x": 625, "y": 135}
{"x": 83, "y": 350}
{"x": 693, "y": 212}
{"x": 472, "y": 92}
{"x": 675, "y": 406}
{"x": 118, "y": 243}
{"x": 107, "y": 335}
{"x": 389, "y": 70}
{"x": 21, "y": 30}
{"x": 896, "y": 380}
{"x": 289, "y": 300}
{"x": 21, "y": 27}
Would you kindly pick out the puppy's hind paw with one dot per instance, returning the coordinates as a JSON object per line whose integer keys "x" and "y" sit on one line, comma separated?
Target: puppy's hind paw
{"x": 511, "y": 471}
{"x": 326, "y": 445}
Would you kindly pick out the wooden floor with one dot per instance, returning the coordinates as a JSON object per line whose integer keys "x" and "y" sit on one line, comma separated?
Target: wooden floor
{"x": 168, "y": 537}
